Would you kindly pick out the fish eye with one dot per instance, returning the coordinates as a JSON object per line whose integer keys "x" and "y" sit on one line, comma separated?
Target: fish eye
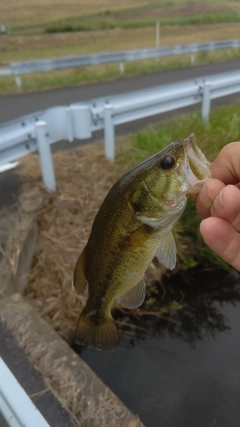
{"x": 167, "y": 162}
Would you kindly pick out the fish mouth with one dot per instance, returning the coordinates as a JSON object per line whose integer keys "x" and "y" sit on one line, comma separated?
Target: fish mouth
{"x": 197, "y": 167}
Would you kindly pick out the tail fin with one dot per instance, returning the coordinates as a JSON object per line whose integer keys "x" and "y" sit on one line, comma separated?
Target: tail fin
{"x": 100, "y": 333}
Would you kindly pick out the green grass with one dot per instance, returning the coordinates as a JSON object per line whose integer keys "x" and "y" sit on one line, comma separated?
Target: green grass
{"x": 204, "y": 18}
{"x": 223, "y": 128}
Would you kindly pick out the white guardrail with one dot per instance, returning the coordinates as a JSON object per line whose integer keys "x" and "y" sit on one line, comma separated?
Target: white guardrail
{"x": 43, "y": 65}
{"x": 36, "y": 132}
{"x": 5, "y": 71}
{"x": 18, "y": 411}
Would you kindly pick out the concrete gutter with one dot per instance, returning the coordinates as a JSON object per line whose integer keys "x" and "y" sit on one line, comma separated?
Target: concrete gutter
{"x": 79, "y": 389}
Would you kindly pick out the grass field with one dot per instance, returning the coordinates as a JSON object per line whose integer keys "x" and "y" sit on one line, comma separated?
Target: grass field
{"x": 34, "y": 15}
{"x": 111, "y": 26}
{"x": 27, "y": 13}
{"x": 19, "y": 48}
{"x": 186, "y": 13}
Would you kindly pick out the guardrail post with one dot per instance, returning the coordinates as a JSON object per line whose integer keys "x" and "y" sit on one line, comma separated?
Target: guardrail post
{"x": 70, "y": 136}
{"x": 109, "y": 132}
{"x": 45, "y": 156}
{"x": 81, "y": 121}
{"x": 157, "y": 35}
{"x": 206, "y": 102}
{"x": 18, "y": 82}
{"x": 192, "y": 58}
{"x": 121, "y": 67}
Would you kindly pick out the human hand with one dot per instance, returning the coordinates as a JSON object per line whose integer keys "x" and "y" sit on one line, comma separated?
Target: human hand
{"x": 218, "y": 203}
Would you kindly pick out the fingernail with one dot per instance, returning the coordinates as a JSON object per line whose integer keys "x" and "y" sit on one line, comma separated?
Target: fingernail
{"x": 217, "y": 204}
{"x": 204, "y": 198}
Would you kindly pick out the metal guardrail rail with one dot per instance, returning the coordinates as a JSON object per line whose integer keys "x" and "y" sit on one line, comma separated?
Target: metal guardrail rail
{"x": 77, "y": 121}
{"x": 19, "y": 411}
{"x": 43, "y": 65}
{"x": 5, "y": 71}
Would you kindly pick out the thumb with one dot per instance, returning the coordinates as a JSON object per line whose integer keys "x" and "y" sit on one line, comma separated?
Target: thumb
{"x": 226, "y": 166}
{"x": 223, "y": 239}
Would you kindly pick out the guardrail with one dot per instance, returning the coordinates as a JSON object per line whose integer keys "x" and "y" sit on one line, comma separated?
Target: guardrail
{"x": 5, "y": 71}
{"x": 77, "y": 121}
{"x": 43, "y": 65}
{"x": 19, "y": 411}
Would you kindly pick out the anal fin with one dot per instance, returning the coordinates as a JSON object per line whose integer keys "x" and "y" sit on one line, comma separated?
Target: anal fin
{"x": 134, "y": 297}
{"x": 79, "y": 278}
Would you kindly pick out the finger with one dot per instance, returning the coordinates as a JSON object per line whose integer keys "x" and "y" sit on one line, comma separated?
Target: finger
{"x": 227, "y": 206}
{"x": 221, "y": 237}
{"x": 226, "y": 166}
{"x": 207, "y": 195}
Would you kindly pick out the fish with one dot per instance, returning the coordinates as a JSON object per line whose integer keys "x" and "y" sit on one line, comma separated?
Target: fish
{"x": 132, "y": 226}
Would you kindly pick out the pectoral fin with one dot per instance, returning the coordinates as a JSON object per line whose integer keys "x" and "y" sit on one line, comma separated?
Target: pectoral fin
{"x": 161, "y": 222}
{"x": 166, "y": 253}
{"x": 79, "y": 278}
{"x": 134, "y": 297}
{"x": 152, "y": 222}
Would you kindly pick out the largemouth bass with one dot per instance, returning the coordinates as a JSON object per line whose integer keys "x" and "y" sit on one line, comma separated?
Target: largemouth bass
{"x": 134, "y": 225}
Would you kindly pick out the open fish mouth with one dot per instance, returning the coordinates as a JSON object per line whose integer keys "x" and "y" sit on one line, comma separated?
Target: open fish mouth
{"x": 196, "y": 165}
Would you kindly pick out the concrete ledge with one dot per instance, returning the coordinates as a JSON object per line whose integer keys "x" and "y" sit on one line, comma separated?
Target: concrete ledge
{"x": 79, "y": 389}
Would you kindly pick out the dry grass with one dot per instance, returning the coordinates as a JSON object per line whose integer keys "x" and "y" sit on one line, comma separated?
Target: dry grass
{"x": 34, "y": 11}
{"x": 83, "y": 176}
